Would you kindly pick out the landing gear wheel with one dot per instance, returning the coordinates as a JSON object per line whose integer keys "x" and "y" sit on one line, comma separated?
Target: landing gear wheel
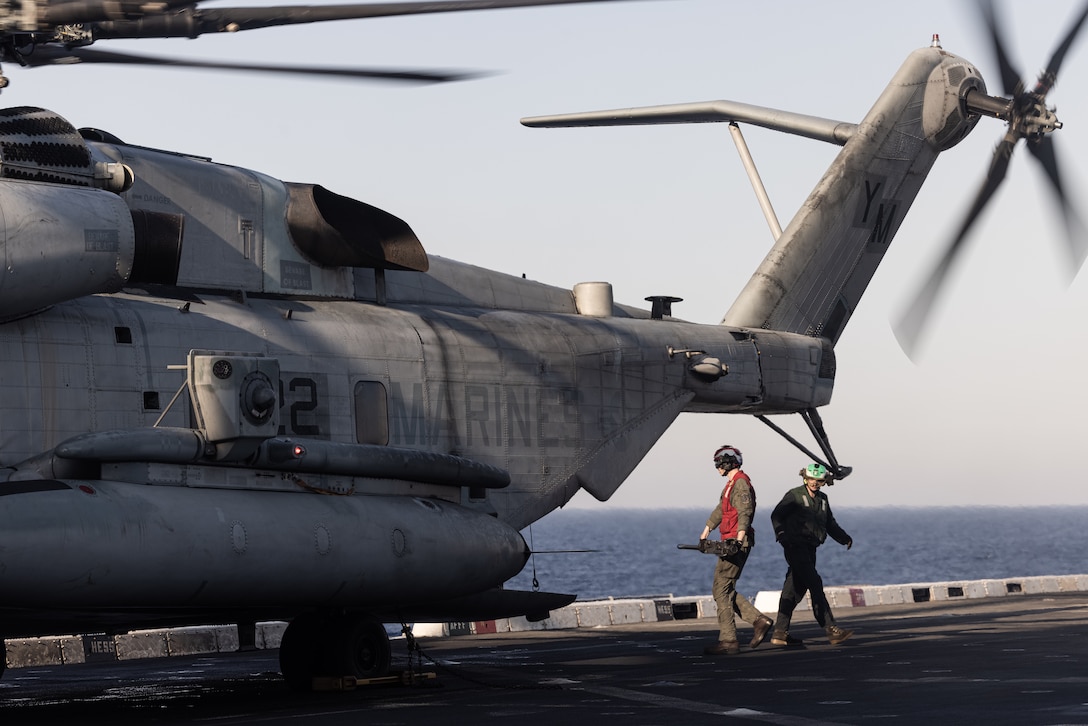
{"x": 316, "y": 645}
{"x": 358, "y": 647}
{"x": 300, "y": 651}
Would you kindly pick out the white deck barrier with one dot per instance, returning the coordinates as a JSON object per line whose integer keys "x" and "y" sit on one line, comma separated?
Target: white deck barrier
{"x": 59, "y": 650}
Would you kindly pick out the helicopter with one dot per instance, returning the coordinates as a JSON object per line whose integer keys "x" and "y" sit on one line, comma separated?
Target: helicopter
{"x": 247, "y": 399}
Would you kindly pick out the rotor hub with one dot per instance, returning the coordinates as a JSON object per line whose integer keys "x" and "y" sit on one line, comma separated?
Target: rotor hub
{"x": 1035, "y": 120}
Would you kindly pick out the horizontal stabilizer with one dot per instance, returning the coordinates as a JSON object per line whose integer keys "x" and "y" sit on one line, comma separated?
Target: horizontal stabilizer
{"x": 812, "y": 127}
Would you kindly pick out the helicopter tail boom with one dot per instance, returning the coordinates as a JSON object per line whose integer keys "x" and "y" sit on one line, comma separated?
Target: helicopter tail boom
{"x": 812, "y": 279}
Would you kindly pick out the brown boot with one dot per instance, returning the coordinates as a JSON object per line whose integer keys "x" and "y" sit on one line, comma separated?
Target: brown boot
{"x": 836, "y": 635}
{"x": 722, "y": 647}
{"x": 760, "y": 629}
{"x": 783, "y": 638}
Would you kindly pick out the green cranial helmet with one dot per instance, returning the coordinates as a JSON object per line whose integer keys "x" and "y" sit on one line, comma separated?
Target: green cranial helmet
{"x": 818, "y": 472}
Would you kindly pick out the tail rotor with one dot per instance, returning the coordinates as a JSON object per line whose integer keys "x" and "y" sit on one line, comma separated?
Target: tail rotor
{"x": 1027, "y": 117}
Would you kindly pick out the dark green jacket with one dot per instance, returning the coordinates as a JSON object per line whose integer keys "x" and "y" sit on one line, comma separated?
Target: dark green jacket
{"x": 803, "y": 519}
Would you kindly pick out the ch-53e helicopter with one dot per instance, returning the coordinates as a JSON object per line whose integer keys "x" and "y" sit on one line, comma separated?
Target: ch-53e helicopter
{"x": 230, "y": 398}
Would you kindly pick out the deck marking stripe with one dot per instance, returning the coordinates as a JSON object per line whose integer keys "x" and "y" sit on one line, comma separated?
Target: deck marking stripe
{"x": 683, "y": 704}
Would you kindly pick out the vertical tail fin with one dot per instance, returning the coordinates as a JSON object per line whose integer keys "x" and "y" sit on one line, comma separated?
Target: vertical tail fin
{"x": 814, "y": 276}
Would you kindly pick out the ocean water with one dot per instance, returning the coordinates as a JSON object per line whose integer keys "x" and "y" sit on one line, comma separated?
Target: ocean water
{"x": 634, "y": 551}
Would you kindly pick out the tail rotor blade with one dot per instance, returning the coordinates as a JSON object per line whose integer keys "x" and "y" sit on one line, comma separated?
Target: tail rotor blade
{"x": 1076, "y": 243}
{"x": 1010, "y": 77}
{"x": 999, "y": 167}
{"x": 908, "y": 330}
{"x": 1050, "y": 75}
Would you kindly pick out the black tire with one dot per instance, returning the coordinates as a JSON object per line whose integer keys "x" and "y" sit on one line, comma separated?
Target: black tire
{"x": 359, "y": 647}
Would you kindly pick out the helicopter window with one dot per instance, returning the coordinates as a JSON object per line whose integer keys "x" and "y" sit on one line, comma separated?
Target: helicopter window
{"x": 151, "y": 400}
{"x": 371, "y": 413}
{"x": 122, "y": 334}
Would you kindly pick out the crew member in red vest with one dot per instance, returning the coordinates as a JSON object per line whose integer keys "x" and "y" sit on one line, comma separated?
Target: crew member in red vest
{"x": 733, "y": 518}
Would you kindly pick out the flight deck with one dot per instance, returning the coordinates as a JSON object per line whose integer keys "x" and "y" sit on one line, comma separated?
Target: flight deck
{"x": 1018, "y": 659}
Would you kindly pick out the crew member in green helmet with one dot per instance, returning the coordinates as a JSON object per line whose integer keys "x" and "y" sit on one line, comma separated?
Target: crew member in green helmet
{"x": 802, "y": 521}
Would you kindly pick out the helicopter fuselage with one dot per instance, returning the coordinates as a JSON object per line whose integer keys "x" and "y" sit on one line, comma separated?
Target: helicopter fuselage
{"x": 231, "y": 397}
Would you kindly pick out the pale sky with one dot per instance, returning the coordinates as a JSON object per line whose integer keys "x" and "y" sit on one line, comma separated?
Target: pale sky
{"x": 991, "y": 410}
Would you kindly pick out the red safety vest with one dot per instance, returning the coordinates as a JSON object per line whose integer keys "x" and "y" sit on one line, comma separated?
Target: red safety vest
{"x": 730, "y": 515}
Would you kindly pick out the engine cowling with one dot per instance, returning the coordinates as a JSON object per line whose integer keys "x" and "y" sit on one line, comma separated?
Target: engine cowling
{"x": 64, "y": 231}
{"x": 59, "y": 243}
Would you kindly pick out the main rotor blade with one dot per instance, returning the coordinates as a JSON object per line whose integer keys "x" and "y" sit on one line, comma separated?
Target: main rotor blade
{"x": 74, "y": 12}
{"x": 909, "y": 328}
{"x": 49, "y": 56}
{"x": 192, "y": 22}
{"x": 1010, "y": 77}
{"x": 1050, "y": 75}
{"x": 1076, "y": 243}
